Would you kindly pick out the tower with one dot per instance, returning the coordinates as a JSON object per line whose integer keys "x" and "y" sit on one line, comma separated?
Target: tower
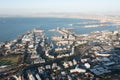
{"x": 73, "y": 50}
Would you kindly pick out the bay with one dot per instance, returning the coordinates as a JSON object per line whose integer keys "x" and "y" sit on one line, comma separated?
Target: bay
{"x": 11, "y": 27}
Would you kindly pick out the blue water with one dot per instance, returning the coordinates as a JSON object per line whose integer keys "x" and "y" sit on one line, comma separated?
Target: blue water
{"x": 81, "y": 30}
{"x": 10, "y": 28}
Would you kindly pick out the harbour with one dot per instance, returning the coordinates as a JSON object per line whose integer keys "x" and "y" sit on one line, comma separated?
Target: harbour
{"x": 18, "y": 26}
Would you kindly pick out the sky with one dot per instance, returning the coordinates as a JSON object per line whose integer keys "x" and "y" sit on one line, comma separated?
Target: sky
{"x": 24, "y": 7}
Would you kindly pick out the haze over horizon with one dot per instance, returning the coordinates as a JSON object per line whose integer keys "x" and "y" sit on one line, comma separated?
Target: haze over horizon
{"x": 39, "y": 7}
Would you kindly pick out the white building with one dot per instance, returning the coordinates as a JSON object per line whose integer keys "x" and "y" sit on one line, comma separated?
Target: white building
{"x": 77, "y": 70}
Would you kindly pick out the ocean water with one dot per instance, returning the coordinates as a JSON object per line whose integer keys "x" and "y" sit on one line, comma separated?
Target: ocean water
{"x": 10, "y": 28}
